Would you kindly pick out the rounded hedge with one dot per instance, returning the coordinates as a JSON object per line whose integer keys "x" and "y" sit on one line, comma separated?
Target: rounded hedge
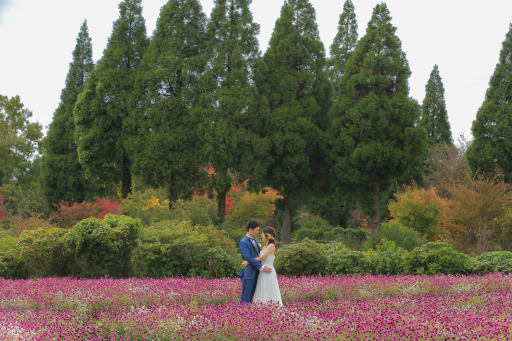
{"x": 304, "y": 258}
{"x": 489, "y": 262}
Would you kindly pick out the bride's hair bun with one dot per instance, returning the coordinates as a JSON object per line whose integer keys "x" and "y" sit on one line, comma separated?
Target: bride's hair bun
{"x": 270, "y": 233}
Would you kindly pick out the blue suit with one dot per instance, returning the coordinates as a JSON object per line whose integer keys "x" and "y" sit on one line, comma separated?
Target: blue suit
{"x": 249, "y": 274}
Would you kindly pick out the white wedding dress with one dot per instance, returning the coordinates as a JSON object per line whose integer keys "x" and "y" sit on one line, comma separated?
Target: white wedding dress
{"x": 267, "y": 288}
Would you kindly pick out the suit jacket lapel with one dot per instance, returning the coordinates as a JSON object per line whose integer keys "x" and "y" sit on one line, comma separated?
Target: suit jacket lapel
{"x": 254, "y": 247}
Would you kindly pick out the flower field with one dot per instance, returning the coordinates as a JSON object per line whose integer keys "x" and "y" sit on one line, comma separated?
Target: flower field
{"x": 316, "y": 308}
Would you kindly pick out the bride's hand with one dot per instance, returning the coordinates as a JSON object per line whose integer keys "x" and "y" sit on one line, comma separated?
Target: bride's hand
{"x": 245, "y": 263}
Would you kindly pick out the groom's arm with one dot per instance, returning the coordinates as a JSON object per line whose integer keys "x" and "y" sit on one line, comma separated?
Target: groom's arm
{"x": 246, "y": 254}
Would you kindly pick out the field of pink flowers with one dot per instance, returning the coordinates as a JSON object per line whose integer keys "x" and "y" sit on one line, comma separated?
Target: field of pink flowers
{"x": 315, "y": 308}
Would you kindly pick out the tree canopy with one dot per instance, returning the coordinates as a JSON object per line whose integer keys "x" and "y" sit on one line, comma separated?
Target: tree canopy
{"x": 492, "y": 128}
{"x": 102, "y": 127}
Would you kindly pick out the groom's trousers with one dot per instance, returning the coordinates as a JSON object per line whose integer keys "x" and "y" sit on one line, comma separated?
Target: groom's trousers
{"x": 248, "y": 288}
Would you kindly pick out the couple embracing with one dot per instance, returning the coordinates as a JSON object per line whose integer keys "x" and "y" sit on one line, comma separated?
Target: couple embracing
{"x": 259, "y": 279}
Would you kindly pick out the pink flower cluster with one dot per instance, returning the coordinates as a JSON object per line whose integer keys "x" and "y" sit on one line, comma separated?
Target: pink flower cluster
{"x": 315, "y": 308}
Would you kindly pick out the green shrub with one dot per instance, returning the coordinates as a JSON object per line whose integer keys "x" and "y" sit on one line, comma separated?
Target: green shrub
{"x": 351, "y": 237}
{"x": 304, "y": 219}
{"x": 253, "y": 206}
{"x": 419, "y": 209}
{"x": 12, "y": 266}
{"x": 344, "y": 261}
{"x": 438, "y": 258}
{"x": 402, "y": 236}
{"x": 199, "y": 210}
{"x": 149, "y": 206}
{"x": 214, "y": 262}
{"x": 308, "y": 233}
{"x": 7, "y": 242}
{"x": 103, "y": 247}
{"x": 174, "y": 249}
{"x": 388, "y": 259}
{"x": 304, "y": 258}
{"x": 45, "y": 251}
{"x": 234, "y": 231}
{"x": 497, "y": 261}
{"x": 311, "y": 226}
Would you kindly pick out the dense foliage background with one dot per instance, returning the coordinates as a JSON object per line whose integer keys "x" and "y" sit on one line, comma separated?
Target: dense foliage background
{"x": 159, "y": 154}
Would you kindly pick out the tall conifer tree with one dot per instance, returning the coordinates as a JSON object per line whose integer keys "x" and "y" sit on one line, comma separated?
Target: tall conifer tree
{"x": 63, "y": 177}
{"x": 169, "y": 143}
{"x": 492, "y": 129}
{"x": 295, "y": 85}
{"x": 102, "y": 129}
{"x": 434, "y": 118}
{"x": 229, "y": 81}
{"x": 374, "y": 134}
{"x": 343, "y": 45}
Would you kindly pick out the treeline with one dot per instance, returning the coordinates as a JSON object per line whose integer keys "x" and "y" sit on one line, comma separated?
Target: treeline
{"x": 198, "y": 108}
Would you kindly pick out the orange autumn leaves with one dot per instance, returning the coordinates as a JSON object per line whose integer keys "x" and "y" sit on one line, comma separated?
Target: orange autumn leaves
{"x": 475, "y": 215}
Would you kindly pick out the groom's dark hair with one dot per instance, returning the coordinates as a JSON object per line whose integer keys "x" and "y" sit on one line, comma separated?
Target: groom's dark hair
{"x": 252, "y": 225}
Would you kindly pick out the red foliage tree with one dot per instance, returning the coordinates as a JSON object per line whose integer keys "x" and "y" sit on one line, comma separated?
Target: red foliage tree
{"x": 3, "y": 210}
{"x": 68, "y": 214}
{"x": 106, "y": 206}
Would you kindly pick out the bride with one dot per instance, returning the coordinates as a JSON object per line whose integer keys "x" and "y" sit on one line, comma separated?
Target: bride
{"x": 267, "y": 288}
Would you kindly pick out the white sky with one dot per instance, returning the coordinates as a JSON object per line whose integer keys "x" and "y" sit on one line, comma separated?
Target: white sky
{"x": 463, "y": 37}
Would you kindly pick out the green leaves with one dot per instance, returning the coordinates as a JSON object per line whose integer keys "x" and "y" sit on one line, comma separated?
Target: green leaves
{"x": 434, "y": 118}
{"x": 293, "y": 82}
{"x": 19, "y": 141}
{"x": 63, "y": 178}
{"x": 374, "y": 133}
{"x": 492, "y": 129}
{"x": 102, "y": 128}
{"x": 343, "y": 45}
{"x": 168, "y": 90}
{"x": 229, "y": 100}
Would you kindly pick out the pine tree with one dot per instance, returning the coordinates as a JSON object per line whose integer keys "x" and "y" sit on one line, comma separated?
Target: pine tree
{"x": 169, "y": 79}
{"x": 229, "y": 81}
{"x": 492, "y": 129}
{"x": 294, "y": 83}
{"x": 374, "y": 138}
{"x": 434, "y": 118}
{"x": 343, "y": 45}
{"x": 102, "y": 130}
{"x": 63, "y": 177}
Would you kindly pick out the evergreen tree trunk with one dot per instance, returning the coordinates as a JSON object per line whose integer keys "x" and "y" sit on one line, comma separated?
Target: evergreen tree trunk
{"x": 376, "y": 203}
{"x": 356, "y": 213}
{"x": 287, "y": 222}
{"x": 126, "y": 181}
{"x": 221, "y": 204}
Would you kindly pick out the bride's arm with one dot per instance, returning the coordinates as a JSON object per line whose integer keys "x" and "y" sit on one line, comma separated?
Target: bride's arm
{"x": 268, "y": 250}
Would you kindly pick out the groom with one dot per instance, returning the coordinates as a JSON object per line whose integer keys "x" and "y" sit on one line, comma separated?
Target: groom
{"x": 250, "y": 250}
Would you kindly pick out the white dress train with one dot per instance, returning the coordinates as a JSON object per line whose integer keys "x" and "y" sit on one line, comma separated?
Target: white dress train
{"x": 267, "y": 288}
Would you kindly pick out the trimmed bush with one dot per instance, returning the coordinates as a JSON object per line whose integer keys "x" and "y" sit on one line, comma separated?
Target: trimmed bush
{"x": 214, "y": 262}
{"x": 402, "y": 236}
{"x": 308, "y": 233}
{"x": 304, "y": 258}
{"x": 103, "y": 247}
{"x": 351, "y": 237}
{"x": 438, "y": 258}
{"x": 45, "y": 251}
{"x": 308, "y": 225}
{"x": 388, "y": 259}
{"x": 344, "y": 261}
{"x": 489, "y": 262}
{"x": 178, "y": 249}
